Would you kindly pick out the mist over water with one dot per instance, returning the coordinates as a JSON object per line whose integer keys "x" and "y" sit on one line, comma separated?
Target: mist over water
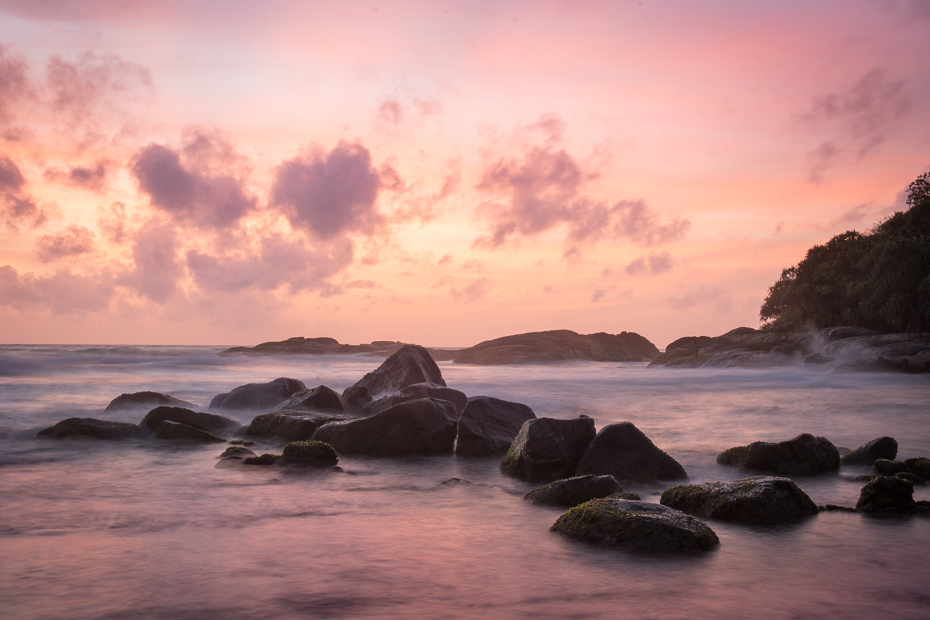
{"x": 134, "y": 529}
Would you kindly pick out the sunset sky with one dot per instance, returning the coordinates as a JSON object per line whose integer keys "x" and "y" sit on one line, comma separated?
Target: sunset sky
{"x": 438, "y": 172}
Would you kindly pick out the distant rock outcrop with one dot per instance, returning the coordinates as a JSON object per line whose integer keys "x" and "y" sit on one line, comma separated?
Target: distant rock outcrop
{"x": 559, "y": 345}
{"x": 258, "y": 396}
{"x": 144, "y": 400}
{"x": 330, "y": 346}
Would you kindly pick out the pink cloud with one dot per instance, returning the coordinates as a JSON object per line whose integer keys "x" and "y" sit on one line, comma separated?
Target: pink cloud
{"x": 81, "y": 87}
{"x": 92, "y": 178}
{"x": 653, "y": 264}
{"x": 473, "y": 291}
{"x": 63, "y": 292}
{"x": 157, "y": 269}
{"x": 14, "y": 83}
{"x": 16, "y": 206}
{"x": 72, "y": 241}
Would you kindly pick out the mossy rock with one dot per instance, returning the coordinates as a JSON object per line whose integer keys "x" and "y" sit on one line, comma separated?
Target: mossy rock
{"x": 94, "y": 429}
{"x": 868, "y": 453}
{"x": 638, "y": 526}
{"x": 236, "y": 452}
{"x": 920, "y": 466}
{"x": 805, "y": 455}
{"x": 887, "y": 495}
{"x": 886, "y": 467}
{"x": 265, "y": 459}
{"x": 570, "y": 492}
{"x": 759, "y": 500}
{"x": 309, "y": 454}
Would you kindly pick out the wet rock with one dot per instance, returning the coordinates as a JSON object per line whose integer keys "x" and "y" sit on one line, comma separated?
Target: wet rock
{"x": 906, "y": 475}
{"x": 547, "y": 449}
{"x": 805, "y": 455}
{"x": 265, "y": 459}
{"x": 557, "y": 345}
{"x": 320, "y": 398}
{"x": 236, "y": 452}
{"x": 885, "y": 467}
{"x": 489, "y": 425}
{"x": 886, "y": 495}
{"x": 258, "y": 396}
{"x": 625, "y": 495}
{"x": 835, "y": 508}
{"x": 309, "y": 454}
{"x": 417, "y": 427}
{"x": 291, "y": 425}
{"x": 93, "y": 428}
{"x": 208, "y": 422}
{"x": 639, "y": 526}
{"x": 868, "y": 453}
{"x": 741, "y": 347}
{"x": 919, "y": 466}
{"x": 410, "y": 364}
{"x": 144, "y": 400}
{"x": 626, "y": 453}
{"x": 456, "y": 482}
{"x": 241, "y": 442}
{"x": 759, "y": 500}
{"x": 415, "y": 391}
{"x": 570, "y": 492}
{"x": 177, "y": 431}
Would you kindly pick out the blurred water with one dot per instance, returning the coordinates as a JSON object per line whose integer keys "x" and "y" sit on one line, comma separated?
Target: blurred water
{"x": 128, "y": 530}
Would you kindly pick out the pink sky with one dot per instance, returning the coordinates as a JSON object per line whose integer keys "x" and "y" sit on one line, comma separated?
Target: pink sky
{"x": 439, "y": 173}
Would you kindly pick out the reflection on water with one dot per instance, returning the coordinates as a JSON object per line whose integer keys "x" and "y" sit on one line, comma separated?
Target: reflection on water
{"x": 97, "y": 530}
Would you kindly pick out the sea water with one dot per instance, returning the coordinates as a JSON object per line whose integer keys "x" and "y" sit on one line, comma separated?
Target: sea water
{"x": 130, "y": 529}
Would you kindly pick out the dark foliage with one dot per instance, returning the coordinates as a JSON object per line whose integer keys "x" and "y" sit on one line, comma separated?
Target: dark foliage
{"x": 879, "y": 280}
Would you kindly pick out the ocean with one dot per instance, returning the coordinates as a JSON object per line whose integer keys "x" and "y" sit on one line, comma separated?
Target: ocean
{"x": 131, "y": 529}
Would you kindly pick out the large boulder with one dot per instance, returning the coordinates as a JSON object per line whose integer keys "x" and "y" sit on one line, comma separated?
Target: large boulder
{"x": 291, "y": 425}
{"x": 320, "y": 398}
{"x": 868, "y": 453}
{"x": 547, "y": 449}
{"x": 309, "y": 454}
{"x": 408, "y": 365}
{"x": 489, "y": 425}
{"x": 258, "y": 396}
{"x": 759, "y": 500}
{"x": 887, "y": 495}
{"x": 424, "y": 426}
{"x": 626, "y": 453}
{"x": 415, "y": 391}
{"x": 805, "y": 455}
{"x": 177, "y": 431}
{"x": 144, "y": 400}
{"x": 558, "y": 345}
{"x": 93, "y": 428}
{"x": 570, "y": 492}
{"x": 635, "y": 525}
{"x": 208, "y": 422}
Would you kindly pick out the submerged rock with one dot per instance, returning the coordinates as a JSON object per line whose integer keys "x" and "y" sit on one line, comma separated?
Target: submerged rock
{"x": 415, "y": 391}
{"x": 236, "y": 452}
{"x": 291, "y": 425}
{"x": 489, "y": 425}
{"x": 805, "y": 455}
{"x": 547, "y": 449}
{"x": 868, "y": 453}
{"x": 887, "y": 495}
{"x": 320, "y": 398}
{"x": 920, "y": 466}
{"x": 418, "y": 427}
{"x": 410, "y": 364}
{"x": 570, "y": 492}
{"x": 139, "y": 400}
{"x": 626, "y": 453}
{"x": 209, "y": 422}
{"x": 93, "y": 428}
{"x": 258, "y": 396}
{"x": 309, "y": 454}
{"x": 759, "y": 500}
{"x": 558, "y": 345}
{"x": 175, "y": 430}
{"x": 639, "y": 526}
{"x": 886, "y": 467}
{"x": 265, "y": 459}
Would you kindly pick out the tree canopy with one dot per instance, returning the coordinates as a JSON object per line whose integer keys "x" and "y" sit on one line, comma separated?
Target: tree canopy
{"x": 879, "y": 279}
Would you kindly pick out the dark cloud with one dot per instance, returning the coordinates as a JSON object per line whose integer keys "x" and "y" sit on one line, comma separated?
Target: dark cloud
{"x": 653, "y": 264}
{"x": 329, "y": 194}
{"x": 473, "y": 291}
{"x": 63, "y": 292}
{"x": 190, "y": 191}
{"x": 92, "y": 178}
{"x": 16, "y": 206}
{"x": 14, "y": 83}
{"x": 93, "y": 84}
{"x": 157, "y": 269}
{"x": 72, "y": 241}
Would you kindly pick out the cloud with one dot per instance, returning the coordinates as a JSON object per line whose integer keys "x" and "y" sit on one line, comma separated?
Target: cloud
{"x": 157, "y": 269}
{"x": 14, "y": 83}
{"x": 189, "y": 190}
{"x": 16, "y": 206}
{"x": 72, "y": 241}
{"x": 392, "y": 114}
{"x": 475, "y": 290}
{"x": 81, "y": 88}
{"x": 92, "y": 178}
{"x": 329, "y": 194}
{"x": 63, "y": 292}
{"x": 653, "y": 264}
{"x": 112, "y": 221}
{"x": 703, "y": 297}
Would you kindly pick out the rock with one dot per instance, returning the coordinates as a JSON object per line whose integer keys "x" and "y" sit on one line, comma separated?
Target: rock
{"x": 417, "y": 427}
{"x": 241, "y": 442}
{"x": 415, "y": 391}
{"x": 208, "y": 422}
{"x": 258, "y": 396}
{"x": 236, "y": 452}
{"x": 626, "y": 453}
{"x": 886, "y": 495}
{"x": 835, "y": 508}
{"x": 144, "y": 400}
{"x": 816, "y": 359}
{"x": 410, "y": 364}
{"x": 329, "y": 346}
{"x": 309, "y": 454}
{"x": 570, "y": 492}
{"x": 558, "y": 345}
{"x": 639, "y": 526}
{"x": 547, "y": 449}
{"x": 93, "y": 428}
{"x": 759, "y": 500}
{"x": 885, "y": 467}
{"x": 265, "y": 459}
{"x": 805, "y": 455}
{"x": 320, "y": 398}
{"x": 175, "y": 430}
{"x": 866, "y": 454}
{"x": 625, "y": 495}
{"x": 919, "y": 466}
{"x": 906, "y": 475}
{"x": 489, "y": 425}
{"x": 291, "y": 425}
